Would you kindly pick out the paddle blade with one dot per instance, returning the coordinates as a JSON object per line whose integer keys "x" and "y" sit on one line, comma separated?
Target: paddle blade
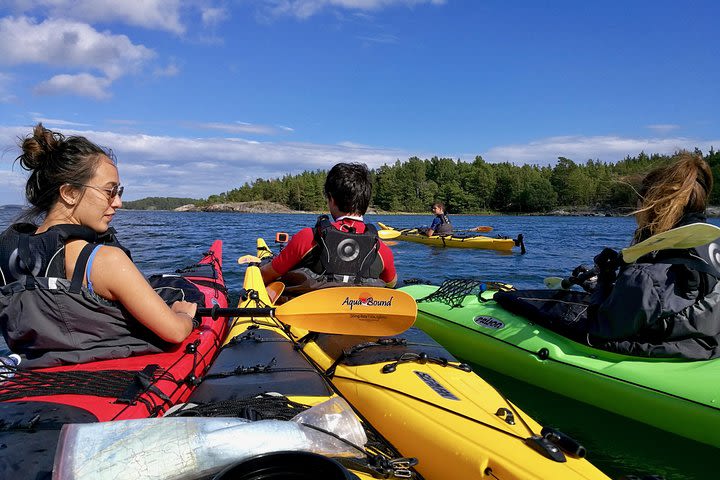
{"x": 482, "y": 228}
{"x": 248, "y": 259}
{"x": 274, "y": 290}
{"x": 388, "y": 234}
{"x": 687, "y": 236}
{"x": 554, "y": 283}
{"x": 263, "y": 250}
{"x": 371, "y": 311}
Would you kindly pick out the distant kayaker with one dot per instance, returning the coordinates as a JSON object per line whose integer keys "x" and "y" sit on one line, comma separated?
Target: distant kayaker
{"x": 441, "y": 223}
{"x": 342, "y": 250}
{"x": 69, "y": 293}
{"x": 667, "y": 304}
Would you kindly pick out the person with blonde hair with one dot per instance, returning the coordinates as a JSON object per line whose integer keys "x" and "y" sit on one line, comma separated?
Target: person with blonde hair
{"x": 667, "y": 303}
{"x": 69, "y": 292}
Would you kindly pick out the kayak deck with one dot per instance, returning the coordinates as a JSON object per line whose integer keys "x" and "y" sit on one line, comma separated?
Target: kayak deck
{"x": 501, "y": 244}
{"x": 682, "y": 397}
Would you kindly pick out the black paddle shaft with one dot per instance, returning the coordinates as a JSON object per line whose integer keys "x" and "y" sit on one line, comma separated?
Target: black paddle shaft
{"x": 216, "y": 312}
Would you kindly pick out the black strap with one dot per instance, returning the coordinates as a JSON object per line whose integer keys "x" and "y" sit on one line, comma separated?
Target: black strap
{"x": 25, "y": 257}
{"x": 80, "y": 266}
{"x": 142, "y": 382}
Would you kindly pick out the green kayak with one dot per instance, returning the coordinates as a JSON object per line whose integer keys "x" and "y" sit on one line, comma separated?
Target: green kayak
{"x": 679, "y": 396}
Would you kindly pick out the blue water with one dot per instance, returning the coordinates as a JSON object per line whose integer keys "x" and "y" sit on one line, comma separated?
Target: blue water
{"x": 163, "y": 241}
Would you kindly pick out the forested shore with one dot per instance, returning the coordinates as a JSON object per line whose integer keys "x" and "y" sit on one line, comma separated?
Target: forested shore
{"x": 476, "y": 187}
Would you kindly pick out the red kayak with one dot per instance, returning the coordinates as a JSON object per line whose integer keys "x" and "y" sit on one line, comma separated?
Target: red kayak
{"x": 34, "y": 404}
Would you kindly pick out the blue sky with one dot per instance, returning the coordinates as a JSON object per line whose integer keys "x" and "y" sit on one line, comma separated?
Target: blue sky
{"x": 197, "y": 97}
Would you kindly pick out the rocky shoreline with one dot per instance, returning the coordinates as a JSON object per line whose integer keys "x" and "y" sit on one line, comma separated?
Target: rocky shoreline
{"x": 239, "y": 207}
{"x": 272, "y": 207}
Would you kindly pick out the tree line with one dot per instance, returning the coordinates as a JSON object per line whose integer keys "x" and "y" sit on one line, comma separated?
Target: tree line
{"x": 478, "y": 186}
{"x": 157, "y": 203}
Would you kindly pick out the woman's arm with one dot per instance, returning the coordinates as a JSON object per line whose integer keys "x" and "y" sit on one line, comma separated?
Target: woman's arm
{"x": 115, "y": 277}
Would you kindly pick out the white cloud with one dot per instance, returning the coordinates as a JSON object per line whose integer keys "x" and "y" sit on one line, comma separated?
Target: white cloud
{"x": 5, "y": 80}
{"x": 580, "y": 149}
{"x": 83, "y": 84}
{"x": 170, "y": 70}
{"x": 12, "y": 184}
{"x": 199, "y": 167}
{"x": 151, "y": 14}
{"x": 48, "y": 122}
{"x": 663, "y": 128}
{"x": 69, "y": 44}
{"x": 212, "y": 16}
{"x": 307, "y": 8}
{"x": 380, "y": 38}
{"x": 240, "y": 127}
{"x": 152, "y": 165}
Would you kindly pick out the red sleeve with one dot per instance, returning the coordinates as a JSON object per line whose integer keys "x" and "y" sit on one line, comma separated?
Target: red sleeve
{"x": 388, "y": 273}
{"x": 298, "y": 246}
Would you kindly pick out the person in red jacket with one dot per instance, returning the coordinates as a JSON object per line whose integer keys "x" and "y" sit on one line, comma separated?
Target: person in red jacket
{"x": 342, "y": 250}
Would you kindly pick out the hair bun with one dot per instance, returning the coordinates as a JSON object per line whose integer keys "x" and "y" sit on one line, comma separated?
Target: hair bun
{"x": 38, "y": 149}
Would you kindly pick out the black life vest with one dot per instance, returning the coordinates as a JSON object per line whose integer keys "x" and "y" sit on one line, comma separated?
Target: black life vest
{"x": 50, "y": 320}
{"x": 445, "y": 228}
{"x": 22, "y": 252}
{"x": 339, "y": 258}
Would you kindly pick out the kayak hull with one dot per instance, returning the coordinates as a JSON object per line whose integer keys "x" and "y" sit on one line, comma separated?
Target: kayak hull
{"x": 147, "y": 386}
{"x": 681, "y": 397}
{"x": 456, "y": 241}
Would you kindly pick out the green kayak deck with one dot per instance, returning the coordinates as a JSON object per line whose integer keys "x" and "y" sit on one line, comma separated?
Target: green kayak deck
{"x": 679, "y": 396}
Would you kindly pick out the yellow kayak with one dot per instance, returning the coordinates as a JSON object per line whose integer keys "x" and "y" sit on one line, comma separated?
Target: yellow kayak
{"x": 434, "y": 409}
{"x": 258, "y": 358}
{"x": 458, "y": 241}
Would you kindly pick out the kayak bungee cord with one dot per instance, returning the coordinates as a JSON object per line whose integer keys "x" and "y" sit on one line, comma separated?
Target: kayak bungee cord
{"x": 538, "y": 442}
{"x": 386, "y": 462}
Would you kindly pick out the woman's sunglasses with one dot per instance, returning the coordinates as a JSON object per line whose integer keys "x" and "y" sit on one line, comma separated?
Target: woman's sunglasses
{"x": 115, "y": 191}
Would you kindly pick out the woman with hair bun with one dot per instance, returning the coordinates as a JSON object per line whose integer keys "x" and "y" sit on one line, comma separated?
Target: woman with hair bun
{"x": 667, "y": 304}
{"x": 69, "y": 292}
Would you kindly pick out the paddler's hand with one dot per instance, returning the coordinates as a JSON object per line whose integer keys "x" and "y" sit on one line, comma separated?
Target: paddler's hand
{"x": 185, "y": 310}
{"x": 607, "y": 260}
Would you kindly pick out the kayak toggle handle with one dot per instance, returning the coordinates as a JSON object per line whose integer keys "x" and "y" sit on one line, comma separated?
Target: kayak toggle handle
{"x": 509, "y": 417}
{"x": 546, "y": 448}
{"x": 565, "y": 442}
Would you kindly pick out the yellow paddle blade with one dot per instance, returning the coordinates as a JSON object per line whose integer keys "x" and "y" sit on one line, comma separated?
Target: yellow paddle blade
{"x": 388, "y": 234}
{"x": 248, "y": 259}
{"x": 687, "y": 236}
{"x": 371, "y": 311}
{"x": 263, "y": 250}
{"x": 385, "y": 227}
